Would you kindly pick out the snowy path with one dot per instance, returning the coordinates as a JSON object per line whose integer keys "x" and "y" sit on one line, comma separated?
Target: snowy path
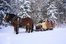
{"x": 56, "y": 36}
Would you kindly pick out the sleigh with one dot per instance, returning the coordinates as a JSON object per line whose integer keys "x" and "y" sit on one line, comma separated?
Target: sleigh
{"x": 45, "y": 25}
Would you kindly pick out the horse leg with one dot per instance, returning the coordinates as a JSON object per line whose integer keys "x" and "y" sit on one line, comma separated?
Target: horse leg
{"x": 32, "y": 28}
{"x": 16, "y": 30}
{"x": 27, "y": 29}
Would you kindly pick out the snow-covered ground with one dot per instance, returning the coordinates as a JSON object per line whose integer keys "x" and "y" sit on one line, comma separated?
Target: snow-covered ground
{"x": 56, "y": 36}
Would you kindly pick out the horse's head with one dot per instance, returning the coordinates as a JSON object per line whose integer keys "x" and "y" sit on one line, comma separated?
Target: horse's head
{"x": 8, "y": 17}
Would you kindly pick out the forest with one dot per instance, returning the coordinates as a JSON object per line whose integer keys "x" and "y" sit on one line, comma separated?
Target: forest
{"x": 35, "y": 9}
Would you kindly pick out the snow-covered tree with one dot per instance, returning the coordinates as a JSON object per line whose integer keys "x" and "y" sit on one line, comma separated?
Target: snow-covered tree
{"x": 25, "y": 8}
{"x": 55, "y": 10}
{"x": 1, "y": 17}
{"x": 52, "y": 10}
{"x": 4, "y": 8}
{"x": 64, "y": 6}
{"x": 36, "y": 10}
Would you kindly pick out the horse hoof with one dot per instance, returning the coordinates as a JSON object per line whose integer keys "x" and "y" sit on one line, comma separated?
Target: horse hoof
{"x": 31, "y": 31}
{"x": 28, "y": 32}
{"x": 16, "y": 33}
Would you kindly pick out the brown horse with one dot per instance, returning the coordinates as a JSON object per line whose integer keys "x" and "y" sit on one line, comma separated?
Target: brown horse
{"x": 18, "y": 22}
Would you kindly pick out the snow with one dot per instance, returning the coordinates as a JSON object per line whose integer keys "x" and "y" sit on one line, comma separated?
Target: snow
{"x": 55, "y": 36}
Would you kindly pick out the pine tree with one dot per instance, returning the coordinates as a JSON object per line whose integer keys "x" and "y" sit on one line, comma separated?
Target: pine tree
{"x": 4, "y": 8}
{"x": 55, "y": 11}
{"x": 25, "y": 8}
{"x": 52, "y": 10}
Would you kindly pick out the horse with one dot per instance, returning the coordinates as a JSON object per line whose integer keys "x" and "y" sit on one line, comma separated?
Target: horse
{"x": 19, "y": 22}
